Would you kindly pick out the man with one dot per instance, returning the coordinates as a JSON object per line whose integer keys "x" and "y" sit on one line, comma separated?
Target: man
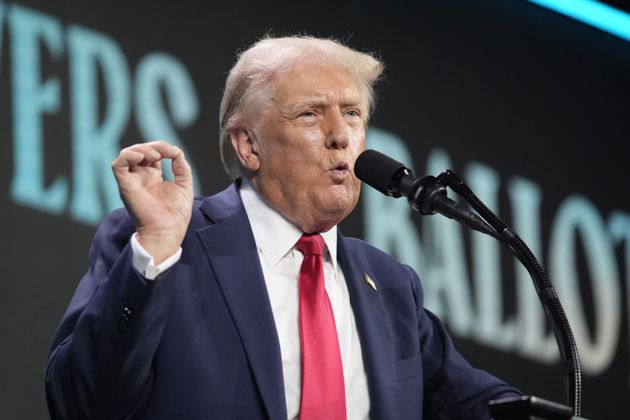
{"x": 249, "y": 304}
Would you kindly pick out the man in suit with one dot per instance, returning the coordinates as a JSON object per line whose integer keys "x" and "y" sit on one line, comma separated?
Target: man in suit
{"x": 250, "y": 304}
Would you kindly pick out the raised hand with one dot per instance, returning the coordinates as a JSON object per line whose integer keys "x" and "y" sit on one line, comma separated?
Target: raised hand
{"x": 160, "y": 209}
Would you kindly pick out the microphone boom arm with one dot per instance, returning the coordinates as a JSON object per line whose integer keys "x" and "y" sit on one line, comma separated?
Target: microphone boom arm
{"x": 427, "y": 195}
{"x": 544, "y": 289}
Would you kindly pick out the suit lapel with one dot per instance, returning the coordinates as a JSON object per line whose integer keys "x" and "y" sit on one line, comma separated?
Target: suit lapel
{"x": 230, "y": 248}
{"x": 371, "y": 321}
{"x": 232, "y": 252}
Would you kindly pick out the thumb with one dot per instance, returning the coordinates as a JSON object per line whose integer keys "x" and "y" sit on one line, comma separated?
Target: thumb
{"x": 182, "y": 173}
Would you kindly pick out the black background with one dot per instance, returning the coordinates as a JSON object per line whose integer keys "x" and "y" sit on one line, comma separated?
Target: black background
{"x": 510, "y": 84}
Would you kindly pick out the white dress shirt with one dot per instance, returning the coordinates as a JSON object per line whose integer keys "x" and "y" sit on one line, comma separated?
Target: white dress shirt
{"x": 280, "y": 261}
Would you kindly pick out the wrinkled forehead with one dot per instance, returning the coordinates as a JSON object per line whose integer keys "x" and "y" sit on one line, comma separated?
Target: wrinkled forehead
{"x": 317, "y": 83}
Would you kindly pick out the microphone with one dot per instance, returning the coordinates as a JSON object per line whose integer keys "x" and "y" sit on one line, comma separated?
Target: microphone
{"x": 426, "y": 195}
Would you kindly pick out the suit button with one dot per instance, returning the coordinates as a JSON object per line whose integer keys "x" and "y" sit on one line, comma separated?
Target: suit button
{"x": 127, "y": 312}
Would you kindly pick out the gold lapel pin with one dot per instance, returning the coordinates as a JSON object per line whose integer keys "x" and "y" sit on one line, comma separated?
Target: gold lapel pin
{"x": 369, "y": 281}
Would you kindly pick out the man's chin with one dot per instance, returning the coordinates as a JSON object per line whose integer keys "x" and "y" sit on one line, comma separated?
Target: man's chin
{"x": 340, "y": 204}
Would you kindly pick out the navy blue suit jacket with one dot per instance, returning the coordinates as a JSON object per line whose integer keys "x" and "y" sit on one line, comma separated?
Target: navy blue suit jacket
{"x": 200, "y": 342}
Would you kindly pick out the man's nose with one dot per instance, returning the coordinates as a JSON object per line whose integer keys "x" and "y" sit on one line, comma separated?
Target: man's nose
{"x": 337, "y": 130}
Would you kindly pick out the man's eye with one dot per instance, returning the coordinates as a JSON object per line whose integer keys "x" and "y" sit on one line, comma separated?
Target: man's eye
{"x": 353, "y": 113}
{"x": 307, "y": 114}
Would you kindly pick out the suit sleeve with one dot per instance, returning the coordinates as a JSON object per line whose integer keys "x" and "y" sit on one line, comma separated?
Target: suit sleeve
{"x": 453, "y": 389}
{"x": 100, "y": 363}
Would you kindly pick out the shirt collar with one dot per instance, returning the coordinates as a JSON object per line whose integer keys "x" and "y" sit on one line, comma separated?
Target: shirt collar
{"x": 275, "y": 236}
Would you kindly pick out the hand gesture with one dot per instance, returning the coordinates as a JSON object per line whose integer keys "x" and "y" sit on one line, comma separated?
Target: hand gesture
{"x": 160, "y": 209}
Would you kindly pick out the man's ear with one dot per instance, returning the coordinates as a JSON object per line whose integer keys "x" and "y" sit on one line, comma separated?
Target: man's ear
{"x": 245, "y": 146}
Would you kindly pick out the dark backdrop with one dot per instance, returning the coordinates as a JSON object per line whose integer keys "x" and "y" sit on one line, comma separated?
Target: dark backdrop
{"x": 529, "y": 105}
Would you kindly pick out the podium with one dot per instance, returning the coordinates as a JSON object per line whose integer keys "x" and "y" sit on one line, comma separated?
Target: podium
{"x": 530, "y": 408}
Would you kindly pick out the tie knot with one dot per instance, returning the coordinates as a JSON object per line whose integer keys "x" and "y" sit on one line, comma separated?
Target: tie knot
{"x": 312, "y": 244}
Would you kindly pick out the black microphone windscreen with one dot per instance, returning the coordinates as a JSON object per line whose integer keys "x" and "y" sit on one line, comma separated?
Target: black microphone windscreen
{"x": 377, "y": 170}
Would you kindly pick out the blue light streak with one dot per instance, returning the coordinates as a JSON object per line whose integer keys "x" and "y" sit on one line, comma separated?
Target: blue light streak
{"x": 594, "y": 13}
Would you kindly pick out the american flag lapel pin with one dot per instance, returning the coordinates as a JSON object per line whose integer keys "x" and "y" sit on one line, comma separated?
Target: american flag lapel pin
{"x": 368, "y": 280}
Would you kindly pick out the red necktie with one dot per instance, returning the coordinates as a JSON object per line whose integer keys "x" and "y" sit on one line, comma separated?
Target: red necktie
{"x": 323, "y": 393}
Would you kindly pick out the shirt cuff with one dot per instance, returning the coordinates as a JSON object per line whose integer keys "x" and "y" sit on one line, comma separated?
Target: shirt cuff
{"x": 144, "y": 263}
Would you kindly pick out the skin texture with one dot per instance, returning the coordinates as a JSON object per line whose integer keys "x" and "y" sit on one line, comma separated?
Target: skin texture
{"x": 298, "y": 153}
{"x": 160, "y": 209}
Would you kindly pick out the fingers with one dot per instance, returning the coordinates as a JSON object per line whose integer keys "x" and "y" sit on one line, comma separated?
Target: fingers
{"x": 167, "y": 151}
{"x": 147, "y": 154}
{"x": 182, "y": 173}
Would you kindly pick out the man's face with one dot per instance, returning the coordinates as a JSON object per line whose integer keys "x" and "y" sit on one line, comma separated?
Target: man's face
{"x": 309, "y": 136}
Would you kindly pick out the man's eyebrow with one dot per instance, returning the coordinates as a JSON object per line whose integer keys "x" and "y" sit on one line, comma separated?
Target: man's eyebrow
{"x": 352, "y": 102}
{"x": 300, "y": 105}
{"x": 321, "y": 103}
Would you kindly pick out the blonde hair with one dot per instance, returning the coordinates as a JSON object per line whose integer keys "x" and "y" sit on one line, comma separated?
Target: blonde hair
{"x": 249, "y": 81}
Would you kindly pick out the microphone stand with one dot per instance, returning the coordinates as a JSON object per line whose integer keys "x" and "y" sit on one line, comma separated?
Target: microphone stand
{"x": 528, "y": 407}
